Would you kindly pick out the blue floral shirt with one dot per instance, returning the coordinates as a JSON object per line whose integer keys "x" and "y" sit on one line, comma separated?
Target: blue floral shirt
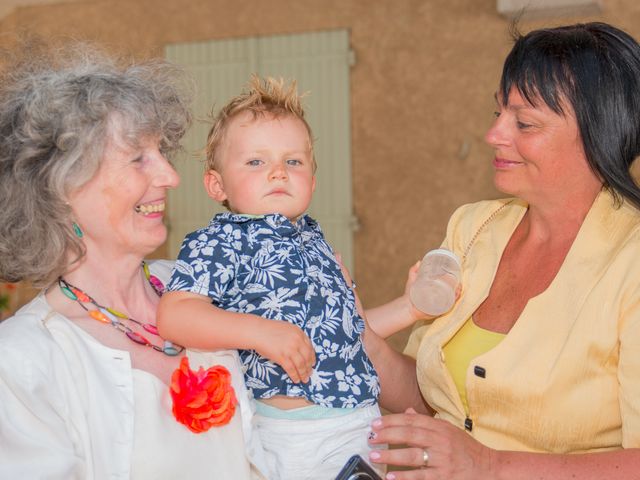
{"x": 271, "y": 267}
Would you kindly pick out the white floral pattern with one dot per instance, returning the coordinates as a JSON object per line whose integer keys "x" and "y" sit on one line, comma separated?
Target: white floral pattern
{"x": 279, "y": 270}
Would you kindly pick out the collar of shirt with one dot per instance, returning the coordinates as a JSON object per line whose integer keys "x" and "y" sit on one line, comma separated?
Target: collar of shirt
{"x": 279, "y": 223}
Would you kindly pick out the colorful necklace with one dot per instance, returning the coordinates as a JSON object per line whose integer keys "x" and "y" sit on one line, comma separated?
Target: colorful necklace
{"x": 110, "y": 316}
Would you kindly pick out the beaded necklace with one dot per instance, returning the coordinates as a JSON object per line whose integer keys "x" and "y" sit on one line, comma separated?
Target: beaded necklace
{"x": 110, "y": 316}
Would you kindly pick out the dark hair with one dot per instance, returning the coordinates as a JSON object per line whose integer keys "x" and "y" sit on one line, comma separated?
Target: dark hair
{"x": 594, "y": 68}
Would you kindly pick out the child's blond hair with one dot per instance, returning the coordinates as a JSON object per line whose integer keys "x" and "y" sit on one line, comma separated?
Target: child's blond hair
{"x": 262, "y": 97}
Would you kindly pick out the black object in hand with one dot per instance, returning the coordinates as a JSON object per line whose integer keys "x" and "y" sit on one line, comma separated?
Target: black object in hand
{"x": 357, "y": 469}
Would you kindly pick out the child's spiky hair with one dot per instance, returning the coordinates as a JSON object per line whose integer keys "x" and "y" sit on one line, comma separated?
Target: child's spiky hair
{"x": 268, "y": 96}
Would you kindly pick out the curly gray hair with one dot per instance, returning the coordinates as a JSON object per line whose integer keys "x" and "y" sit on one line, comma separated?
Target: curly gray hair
{"x": 55, "y": 113}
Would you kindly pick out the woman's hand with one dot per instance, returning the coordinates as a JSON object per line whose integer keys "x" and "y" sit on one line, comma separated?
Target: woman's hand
{"x": 451, "y": 453}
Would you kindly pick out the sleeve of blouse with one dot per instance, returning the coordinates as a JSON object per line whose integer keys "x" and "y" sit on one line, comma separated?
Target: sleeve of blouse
{"x": 629, "y": 373}
{"x": 206, "y": 264}
{"x": 35, "y": 441}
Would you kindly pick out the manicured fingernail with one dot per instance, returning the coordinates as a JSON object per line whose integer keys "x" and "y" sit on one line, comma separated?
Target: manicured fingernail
{"x": 374, "y": 455}
{"x": 376, "y": 423}
{"x": 390, "y": 476}
{"x": 372, "y": 435}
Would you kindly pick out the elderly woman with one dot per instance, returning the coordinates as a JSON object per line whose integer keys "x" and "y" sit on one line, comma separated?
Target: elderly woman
{"x": 535, "y": 373}
{"x": 84, "y": 377}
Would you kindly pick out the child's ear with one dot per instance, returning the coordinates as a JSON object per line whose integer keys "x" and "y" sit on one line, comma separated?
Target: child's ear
{"x": 214, "y": 186}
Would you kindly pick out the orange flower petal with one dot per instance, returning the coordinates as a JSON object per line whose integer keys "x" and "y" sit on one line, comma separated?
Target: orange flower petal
{"x": 204, "y": 398}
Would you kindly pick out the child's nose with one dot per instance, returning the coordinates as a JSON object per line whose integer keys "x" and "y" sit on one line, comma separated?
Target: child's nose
{"x": 278, "y": 172}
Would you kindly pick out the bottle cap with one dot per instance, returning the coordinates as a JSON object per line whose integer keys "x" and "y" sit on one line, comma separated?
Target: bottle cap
{"x": 443, "y": 251}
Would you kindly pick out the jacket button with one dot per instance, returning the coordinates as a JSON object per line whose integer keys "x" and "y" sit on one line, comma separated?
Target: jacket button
{"x": 468, "y": 424}
{"x": 479, "y": 371}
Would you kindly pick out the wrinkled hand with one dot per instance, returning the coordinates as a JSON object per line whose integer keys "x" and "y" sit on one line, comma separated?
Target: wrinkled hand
{"x": 288, "y": 346}
{"x": 453, "y": 455}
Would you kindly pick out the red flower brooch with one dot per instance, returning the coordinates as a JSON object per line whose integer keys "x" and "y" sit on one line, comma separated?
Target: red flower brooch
{"x": 202, "y": 399}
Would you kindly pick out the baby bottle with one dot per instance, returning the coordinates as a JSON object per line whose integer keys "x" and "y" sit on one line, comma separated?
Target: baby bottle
{"x": 434, "y": 291}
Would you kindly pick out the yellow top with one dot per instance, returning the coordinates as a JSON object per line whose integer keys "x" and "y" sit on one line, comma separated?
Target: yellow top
{"x": 566, "y": 378}
{"x": 468, "y": 343}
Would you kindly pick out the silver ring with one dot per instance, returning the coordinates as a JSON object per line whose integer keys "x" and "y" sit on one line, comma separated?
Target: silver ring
{"x": 425, "y": 458}
{"x": 353, "y": 285}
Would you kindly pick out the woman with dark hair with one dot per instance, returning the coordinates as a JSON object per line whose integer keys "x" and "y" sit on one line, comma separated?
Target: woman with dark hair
{"x": 535, "y": 373}
{"x": 88, "y": 389}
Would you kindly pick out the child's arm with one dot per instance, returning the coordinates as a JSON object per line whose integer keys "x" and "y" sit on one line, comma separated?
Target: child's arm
{"x": 192, "y": 320}
{"x": 393, "y": 316}
{"x": 397, "y": 314}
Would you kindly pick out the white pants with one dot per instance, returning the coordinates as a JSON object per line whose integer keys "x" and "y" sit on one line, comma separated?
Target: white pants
{"x": 315, "y": 449}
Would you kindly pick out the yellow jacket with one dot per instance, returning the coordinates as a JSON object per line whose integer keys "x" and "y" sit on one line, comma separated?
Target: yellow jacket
{"x": 566, "y": 378}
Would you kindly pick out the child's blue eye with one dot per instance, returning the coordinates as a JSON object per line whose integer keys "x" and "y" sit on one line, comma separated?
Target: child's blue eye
{"x": 255, "y": 162}
{"x": 294, "y": 161}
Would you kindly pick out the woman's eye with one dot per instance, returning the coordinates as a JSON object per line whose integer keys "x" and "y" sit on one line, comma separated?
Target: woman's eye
{"x": 522, "y": 125}
{"x": 496, "y": 114}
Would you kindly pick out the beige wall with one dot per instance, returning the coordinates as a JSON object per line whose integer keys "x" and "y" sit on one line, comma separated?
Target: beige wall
{"x": 422, "y": 93}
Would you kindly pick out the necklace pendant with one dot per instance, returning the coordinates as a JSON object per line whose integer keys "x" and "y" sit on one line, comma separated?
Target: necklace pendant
{"x": 156, "y": 284}
{"x": 136, "y": 337}
{"x": 107, "y": 313}
{"x": 169, "y": 349}
{"x": 116, "y": 313}
{"x": 150, "y": 328}
{"x": 68, "y": 293}
{"x": 82, "y": 297}
{"x": 98, "y": 315}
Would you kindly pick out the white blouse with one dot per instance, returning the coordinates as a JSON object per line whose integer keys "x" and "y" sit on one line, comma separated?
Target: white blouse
{"x": 73, "y": 408}
{"x": 166, "y": 449}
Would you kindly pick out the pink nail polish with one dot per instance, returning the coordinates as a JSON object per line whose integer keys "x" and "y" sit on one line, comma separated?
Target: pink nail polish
{"x": 377, "y": 422}
{"x": 390, "y": 476}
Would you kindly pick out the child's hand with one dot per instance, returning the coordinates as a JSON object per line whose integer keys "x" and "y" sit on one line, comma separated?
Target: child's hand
{"x": 411, "y": 276}
{"x": 288, "y": 346}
